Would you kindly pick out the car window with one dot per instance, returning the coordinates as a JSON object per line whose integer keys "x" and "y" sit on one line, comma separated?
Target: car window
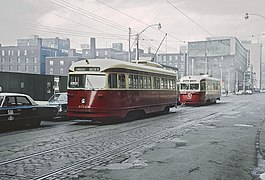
{"x": 10, "y": 101}
{"x": 23, "y": 101}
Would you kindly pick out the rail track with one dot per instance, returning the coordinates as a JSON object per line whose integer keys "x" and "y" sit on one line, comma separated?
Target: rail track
{"x": 110, "y": 145}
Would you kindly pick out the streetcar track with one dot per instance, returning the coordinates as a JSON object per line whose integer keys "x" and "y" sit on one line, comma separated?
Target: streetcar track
{"x": 103, "y": 157}
{"x": 86, "y": 140}
{"x": 180, "y": 124}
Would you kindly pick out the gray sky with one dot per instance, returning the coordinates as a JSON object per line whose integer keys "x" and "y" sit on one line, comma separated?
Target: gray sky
{"x": 109, "y": 20}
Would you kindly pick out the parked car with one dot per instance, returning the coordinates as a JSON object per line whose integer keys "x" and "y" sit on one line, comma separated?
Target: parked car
{"x": 249, "y": 92}
{"x": 60, "y": 101}
{"x": 21, "y": 110}
{"x": 240, "y": 92}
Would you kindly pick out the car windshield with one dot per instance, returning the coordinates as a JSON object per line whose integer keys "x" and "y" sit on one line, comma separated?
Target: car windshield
{"x": 58, "y": 97}
{"x": 1, "y": 100}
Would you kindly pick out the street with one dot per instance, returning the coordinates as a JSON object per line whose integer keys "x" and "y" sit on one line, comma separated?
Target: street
{"x": 217, "y": 141}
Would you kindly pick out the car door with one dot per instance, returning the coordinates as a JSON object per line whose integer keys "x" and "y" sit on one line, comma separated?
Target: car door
{"x": 28, "y": 112}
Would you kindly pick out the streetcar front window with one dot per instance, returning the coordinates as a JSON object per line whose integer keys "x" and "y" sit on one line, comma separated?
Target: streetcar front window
{"x": 76, "y": 81}
{"x": 81, "y": 81}
{"x": 95, "y": 82}
{"x": 184, "y": 86}
{"x": 194, "y": 86}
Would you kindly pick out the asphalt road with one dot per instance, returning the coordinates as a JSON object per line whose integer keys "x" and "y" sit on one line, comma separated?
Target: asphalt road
{"x": 209, "y": 142}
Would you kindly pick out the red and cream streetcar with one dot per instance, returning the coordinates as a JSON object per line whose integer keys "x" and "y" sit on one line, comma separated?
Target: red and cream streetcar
{"x": 105, "y": 89}
{"x": 199, "y": 90}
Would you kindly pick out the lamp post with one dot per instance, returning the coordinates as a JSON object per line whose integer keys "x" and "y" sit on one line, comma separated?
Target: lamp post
{"x": 138, "y": 35}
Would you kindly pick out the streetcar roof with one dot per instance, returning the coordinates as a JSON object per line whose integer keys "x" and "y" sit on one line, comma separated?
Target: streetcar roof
{"x": 107, "y": 64}
{"x": 197, "y": 78}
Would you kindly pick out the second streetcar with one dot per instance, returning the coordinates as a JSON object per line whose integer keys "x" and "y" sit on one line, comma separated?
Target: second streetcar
{"x": 199, "y": 90}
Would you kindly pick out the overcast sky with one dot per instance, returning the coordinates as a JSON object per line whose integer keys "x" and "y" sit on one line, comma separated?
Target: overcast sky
{"x": 109, "y": 20}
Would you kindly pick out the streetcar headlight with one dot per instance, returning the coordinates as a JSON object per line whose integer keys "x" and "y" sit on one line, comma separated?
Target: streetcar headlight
{"x": 83, "y": 101}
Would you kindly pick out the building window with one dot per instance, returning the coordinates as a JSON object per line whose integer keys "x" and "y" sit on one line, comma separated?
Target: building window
{"x": 10, "y": 68}
{"x": 106, "y": 53}
{"x": 34, "y": 60}
{"x": 18, "y": 60}
{"x": 18, "y": 68}
{"x": 10, "y": 60}
{"x": 18, "y": 52}
{"x": 12, "y": 52}
{"x": 3, "y": 52}
{"x": 61, "y": 71}
{"x": 51, "y": 63}
{"x": 176, "y": 57}
{"x": 97, "y": 53}
{"x": 34, "y": 68}
{"x": 26, "y": 68}
{"x": 61, "y": 63}
{"x": 51, "y": 70}
{"x": 2, "y": 60}
{"x": 26, "y": 60}
{"x": 170, "y": 58}
{"x": 25, "y": 52}
{"x": 2, "y": 68}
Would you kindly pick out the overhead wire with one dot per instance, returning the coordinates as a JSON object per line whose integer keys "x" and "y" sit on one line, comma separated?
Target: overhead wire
{"x": 190, "y": 19}
{"x": 136, "y": 19}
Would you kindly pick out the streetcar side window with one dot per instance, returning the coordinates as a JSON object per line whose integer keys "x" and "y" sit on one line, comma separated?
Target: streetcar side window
{"x": 140, "y": 83}
{"x": 145, "y": 82}
{"x": 135, "y": 81}
{"x": 162, "y": 83}
{"x": 156, "y": 83}
{"x": 112, "y": 80}
{"x": 130, "y": 81}
{"x": 203, "y": 86}
{"x": 122, "y": 84}
{"x": 149, "y": 85}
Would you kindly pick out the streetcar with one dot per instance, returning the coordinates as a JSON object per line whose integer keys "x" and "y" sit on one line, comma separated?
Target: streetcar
{"x": 103, "y": 90}
{"x": 199, "y": 90}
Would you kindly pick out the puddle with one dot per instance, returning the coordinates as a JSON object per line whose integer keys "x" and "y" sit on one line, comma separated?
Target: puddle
{"x": 243, "y": 125}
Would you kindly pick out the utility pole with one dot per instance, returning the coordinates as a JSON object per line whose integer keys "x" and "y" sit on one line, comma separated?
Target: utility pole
{"x": 137, "y": 46}
{"x": 129, "y": 58}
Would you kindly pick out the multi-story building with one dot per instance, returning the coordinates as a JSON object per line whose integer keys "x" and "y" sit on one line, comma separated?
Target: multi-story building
{"x": 255, "y": 59}
{"x": 177, "y": 60}
{"x": 29, "y": 55}
{"x": 223, "y": 58}
{"x": 60, "y": 65}
{"x": 263, "y": 76}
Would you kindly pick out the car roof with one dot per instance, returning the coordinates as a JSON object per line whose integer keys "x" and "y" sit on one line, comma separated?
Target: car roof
{"x": 13, "y": 94}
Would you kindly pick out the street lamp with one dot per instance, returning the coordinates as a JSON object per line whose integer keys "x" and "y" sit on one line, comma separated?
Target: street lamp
{"x": 247, "y": 15}
{"x": 138, "y": 35}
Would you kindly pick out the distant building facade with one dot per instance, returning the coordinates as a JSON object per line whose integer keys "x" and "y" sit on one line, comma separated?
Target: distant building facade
{"x": 177, "y": 60}
{"x": 29, "y": 55}
{"x": 255, "y": 59}
{"x": 223, "y": 58}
